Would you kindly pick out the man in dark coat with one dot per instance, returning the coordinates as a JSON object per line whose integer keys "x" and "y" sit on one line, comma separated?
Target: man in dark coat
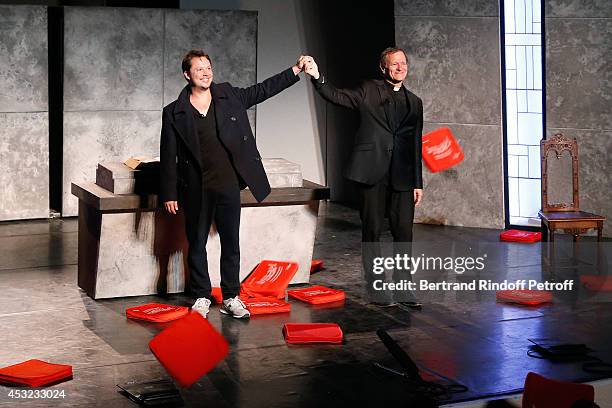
{"x": 208, "y": 154}
{"x": 386, "y": 158}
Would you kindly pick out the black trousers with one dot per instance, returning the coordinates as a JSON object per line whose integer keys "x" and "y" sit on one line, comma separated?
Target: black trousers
{"x": 222, "y": 207}
{"x": 376, "y": 202}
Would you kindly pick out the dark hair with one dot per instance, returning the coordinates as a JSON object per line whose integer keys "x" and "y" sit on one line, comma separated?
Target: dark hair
{"x": 382, "y": 62}
{"x": 186, "y": 64}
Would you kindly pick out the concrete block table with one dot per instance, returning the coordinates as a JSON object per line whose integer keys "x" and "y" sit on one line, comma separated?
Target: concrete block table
{"x": 128, "y": 246}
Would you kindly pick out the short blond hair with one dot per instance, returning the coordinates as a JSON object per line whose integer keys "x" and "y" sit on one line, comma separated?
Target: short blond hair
{"x": 382, "y": 62}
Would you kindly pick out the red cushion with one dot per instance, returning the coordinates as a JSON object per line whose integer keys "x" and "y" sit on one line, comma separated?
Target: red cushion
{"x": 524, "y": 296}
{"x": 300, "y": 333}
{"x": 316, "y": 265}
{"x": 269, "y": 278}
{"x": 156, "y": 312}
{"x": 266, "y": 305}
{"x": 441, "y": 150}
{"x": 216, "y": 295}
{"x": 35, "y": 373}
{"x": 520, "y": 236}
{"x": 189, "y": 348}
{"x": 317, "y": 295}
{"x": 599, "y": 283}
{"x": 542, "y": 392}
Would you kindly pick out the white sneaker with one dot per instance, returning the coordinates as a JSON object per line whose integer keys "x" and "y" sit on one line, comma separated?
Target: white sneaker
{"x": 202, "y": 306}
{"x": 235, "y": 308}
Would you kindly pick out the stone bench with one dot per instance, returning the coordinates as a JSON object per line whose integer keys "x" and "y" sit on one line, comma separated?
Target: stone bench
{"x": 129, "y": 246}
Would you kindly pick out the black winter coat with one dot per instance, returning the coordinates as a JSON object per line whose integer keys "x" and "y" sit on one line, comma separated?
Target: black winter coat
{"x": 180, "y": 169}
{"x": 381, "y": 146}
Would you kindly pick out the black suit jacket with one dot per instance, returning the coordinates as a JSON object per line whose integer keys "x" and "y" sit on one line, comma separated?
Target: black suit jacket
{"x": 180, "y": 168}
{"x": 378, "y": 148}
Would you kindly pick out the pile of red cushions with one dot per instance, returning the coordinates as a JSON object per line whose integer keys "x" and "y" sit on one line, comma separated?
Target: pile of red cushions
{"x": 269, "y": 278}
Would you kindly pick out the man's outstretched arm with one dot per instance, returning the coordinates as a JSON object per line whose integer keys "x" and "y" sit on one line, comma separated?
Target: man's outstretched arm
{"x": 258, "y": 93}
{"x": 349, "y": 98}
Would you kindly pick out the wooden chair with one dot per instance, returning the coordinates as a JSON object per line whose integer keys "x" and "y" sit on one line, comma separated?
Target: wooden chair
{"x": 565, "y": 216}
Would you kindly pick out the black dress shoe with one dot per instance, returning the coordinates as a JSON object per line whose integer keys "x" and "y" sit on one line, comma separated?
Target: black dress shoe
{"x": 410, "y": 305}
{"x": 384, "y": 304}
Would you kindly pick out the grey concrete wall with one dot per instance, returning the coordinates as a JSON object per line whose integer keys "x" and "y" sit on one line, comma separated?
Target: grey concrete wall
{"x": 579, "y": 92}
{"x": 122, "y": 65}
{"x": 24, "y": 118}
{"x": 454, "y": 66}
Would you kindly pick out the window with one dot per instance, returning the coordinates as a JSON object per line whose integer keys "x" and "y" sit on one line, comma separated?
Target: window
{"x": 524, "y": 118}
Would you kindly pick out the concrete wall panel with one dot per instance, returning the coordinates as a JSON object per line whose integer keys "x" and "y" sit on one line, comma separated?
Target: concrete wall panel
{"x": 454, "y": 66}
{"x": 105, "y": 136}
{"x": 24, "y": 119}
{"x": 113, "y": 59}
{"x": 24, "y": 165}
{"x": 228, "y": 37}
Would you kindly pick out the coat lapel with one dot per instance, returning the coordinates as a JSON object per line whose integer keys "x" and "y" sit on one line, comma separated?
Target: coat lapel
{"x": 219, "y": 98}
{"x": 411, "y": 104}
{"x": 184, "y": 124}
{"x": 386, "y": 103}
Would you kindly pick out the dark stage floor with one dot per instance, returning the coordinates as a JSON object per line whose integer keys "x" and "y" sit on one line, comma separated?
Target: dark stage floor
{"x": 466, "y": 337}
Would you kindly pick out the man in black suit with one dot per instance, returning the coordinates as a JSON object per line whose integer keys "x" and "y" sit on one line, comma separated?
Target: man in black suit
{"x": 208, "y": 154}
{"x": 386, "y": 158}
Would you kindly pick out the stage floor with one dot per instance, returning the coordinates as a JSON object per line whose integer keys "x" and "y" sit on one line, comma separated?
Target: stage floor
{"x": 470, "y": 339}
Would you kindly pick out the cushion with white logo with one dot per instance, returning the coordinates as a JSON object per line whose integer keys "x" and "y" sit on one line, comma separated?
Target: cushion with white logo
{"x": 269, "y": 278}
{"x": 441, "y": 150}
{"x": 317, "y": 295}
{"x": 156, "y": 312}
{"x": 520, "y": 236}
{"x": 266, "y": 305}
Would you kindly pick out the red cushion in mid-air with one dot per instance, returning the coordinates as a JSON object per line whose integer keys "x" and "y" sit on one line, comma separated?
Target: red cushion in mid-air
{"x": 441, "y": 150}
{"x": 269, "y": 278}
{"x": 189, "y": 348}
{"x": 266, "y": 305}
{"x": 317, "y": 295}
{"x": 303, "y": 333}
{"x": 156, "y": 312}
{"x": 35, "y": 373}
{"x": 520, "y": 236}
{"x": 524, "y": 296}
